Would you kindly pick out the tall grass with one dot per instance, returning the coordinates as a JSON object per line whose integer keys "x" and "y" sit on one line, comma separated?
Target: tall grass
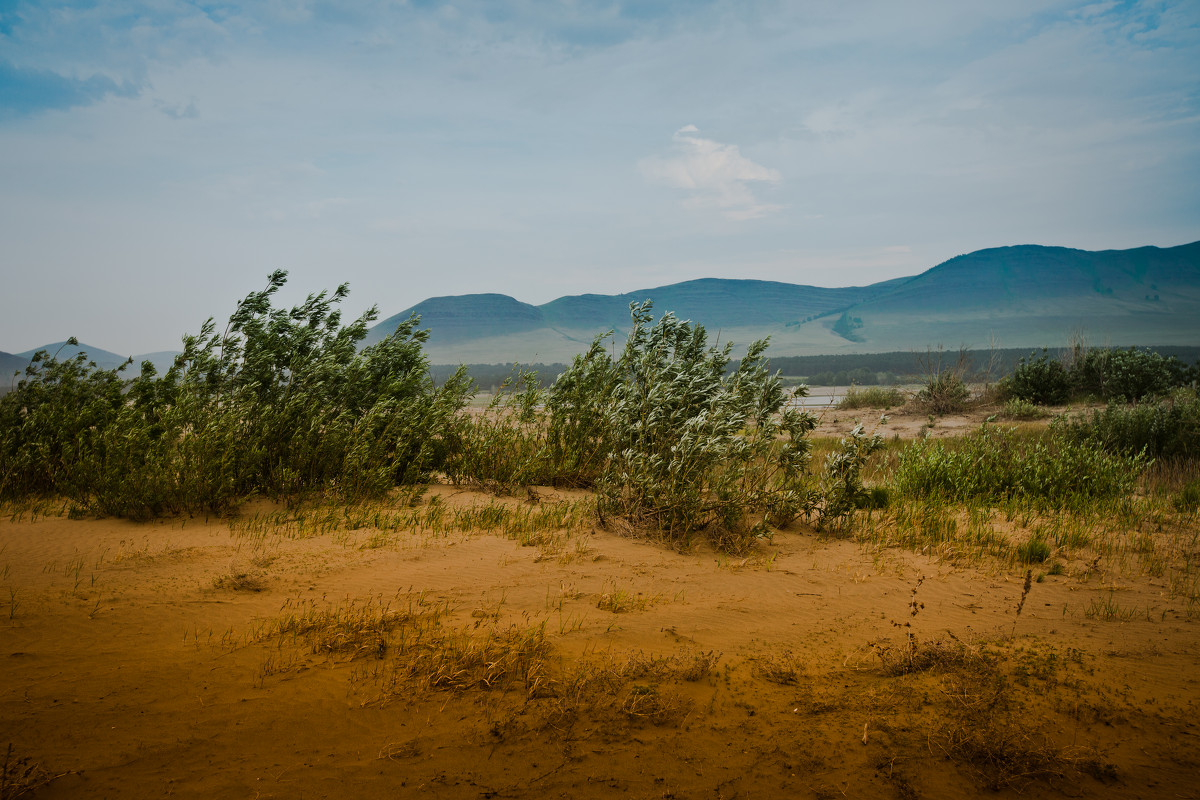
{"x": 994, "y": 464}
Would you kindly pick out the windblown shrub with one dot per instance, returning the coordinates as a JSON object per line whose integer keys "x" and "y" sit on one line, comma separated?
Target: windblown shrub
{"x": 506, "y": 444}
{"x": 676, "y": 444}
{"x": 281, "y": 402}
{"x": 50, "y": 419}
{"x": 993, "y": 465}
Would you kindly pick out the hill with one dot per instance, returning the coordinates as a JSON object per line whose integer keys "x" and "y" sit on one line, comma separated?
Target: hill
{"x": 496, "y": 328}
{"x": 1020, "y": 297}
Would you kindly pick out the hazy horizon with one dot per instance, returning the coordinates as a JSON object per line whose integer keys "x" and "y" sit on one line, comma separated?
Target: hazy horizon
{"x": 158, "y": 160}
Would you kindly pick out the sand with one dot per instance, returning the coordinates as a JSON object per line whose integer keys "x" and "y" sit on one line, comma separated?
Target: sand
{"x": 156, "y": 660}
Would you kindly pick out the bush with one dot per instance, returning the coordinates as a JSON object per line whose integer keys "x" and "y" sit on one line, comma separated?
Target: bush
{"x": 993, "y": 464}
{"x": 506, "y": 445}
{"x": 1039, "y": 379}
{"x": 1188, "y": 499}
{"x": 51, "y": 418}
{"x": 841, "y": 480}
{"x": 944, "y": 391}
{"x": 280, "y": 402}
{"x": 1023, "y": 409}
{"x": 872, "y": 397}
{"x": 1167, "y": 428}
{"x": 682, "y": 446}
{"x": 1125, "y": 374}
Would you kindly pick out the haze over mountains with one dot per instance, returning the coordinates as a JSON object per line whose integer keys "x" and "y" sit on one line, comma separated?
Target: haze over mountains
{"x": 1023, "y": 296}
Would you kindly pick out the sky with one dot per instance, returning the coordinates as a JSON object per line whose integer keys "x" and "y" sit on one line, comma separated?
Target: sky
{"x": 159, "y": 158}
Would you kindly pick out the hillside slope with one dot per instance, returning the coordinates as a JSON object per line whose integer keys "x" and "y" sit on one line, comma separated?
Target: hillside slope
{"x": 1021, "y": 296}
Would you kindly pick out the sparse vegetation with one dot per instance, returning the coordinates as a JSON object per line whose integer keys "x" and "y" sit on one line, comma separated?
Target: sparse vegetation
{"x": 872, "y": 397}
{"x": 944, "y": 390}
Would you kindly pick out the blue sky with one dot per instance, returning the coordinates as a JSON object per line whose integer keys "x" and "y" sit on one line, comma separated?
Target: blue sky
{"x": 159, "y": 158}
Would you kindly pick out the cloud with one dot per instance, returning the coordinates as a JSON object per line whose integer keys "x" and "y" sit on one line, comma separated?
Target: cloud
{"x": 27, "y": 91}
{"x": 716, "y": 176}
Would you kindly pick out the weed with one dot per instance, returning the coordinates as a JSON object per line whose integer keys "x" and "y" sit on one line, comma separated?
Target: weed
{"x": 1188, "y": 499}
{"x": 619, "y": 601}
{"x": 1107, "y": 608}
{"x": 1033, "y": 551}
{"x": 240, "y": 581}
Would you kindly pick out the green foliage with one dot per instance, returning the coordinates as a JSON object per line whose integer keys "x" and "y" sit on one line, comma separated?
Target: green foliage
{"x": 944, "y": 391}
{"x": 841, "y": 480}
{"x": 54, "y": 415}
{"x": 1017, "y": 408}
{"x": 994, "y": 465}
{"x": 676, "y": 444}
{"x": 1126, "y": 374}
{"x": 1188, "y": 499}
{"x": 505, "y": 445}
{"x": 872, "y": 397}
{"x": 1039, "y": 379}
{"x": 1033, "y": 551}
{"x": 1169, "y": 427}
{"x": 280, "y": 402}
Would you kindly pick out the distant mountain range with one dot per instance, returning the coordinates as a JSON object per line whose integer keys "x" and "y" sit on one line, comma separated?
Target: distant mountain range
{"x": 1023, "y": 296}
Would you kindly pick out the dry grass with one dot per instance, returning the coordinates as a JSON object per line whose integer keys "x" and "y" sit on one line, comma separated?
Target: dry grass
{"x": 22, "y": 777}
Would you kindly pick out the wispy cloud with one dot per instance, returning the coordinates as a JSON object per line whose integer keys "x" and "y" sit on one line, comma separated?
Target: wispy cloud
{"x": 27, "y": 91}
{"x": 715, "y": 175}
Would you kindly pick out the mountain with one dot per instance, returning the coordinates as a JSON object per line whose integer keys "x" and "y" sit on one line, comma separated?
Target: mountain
{"x": 1022, "y": 296}
{"x": 104, "y": 359}
{"x": 8, "y": 365}
{"x": 1030, "y": 296}
{"x": 63, "y": 351}
{"x": 497, "y": 328}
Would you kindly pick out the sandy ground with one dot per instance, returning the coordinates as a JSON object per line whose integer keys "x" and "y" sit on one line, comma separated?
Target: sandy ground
{"x": 262, "y": 657}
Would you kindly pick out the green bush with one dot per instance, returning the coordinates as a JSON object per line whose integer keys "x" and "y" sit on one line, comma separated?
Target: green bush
{"x": 281, "y": 402}
{"x": 1169, "y": 427}
{"x": 993, "y": 464}
{"x": 841, "y": 480}
{"x": 944, "y": 392}
{"x": 1039, "y": 379}
{"x": 1125, "y": 374}
{"x": 51, "y": 420}
{"x": 1023, "y": 409}
{"x": 506, "y": 445}
{"x": 872, "y": 397}
{"x": 678, "y": 445}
